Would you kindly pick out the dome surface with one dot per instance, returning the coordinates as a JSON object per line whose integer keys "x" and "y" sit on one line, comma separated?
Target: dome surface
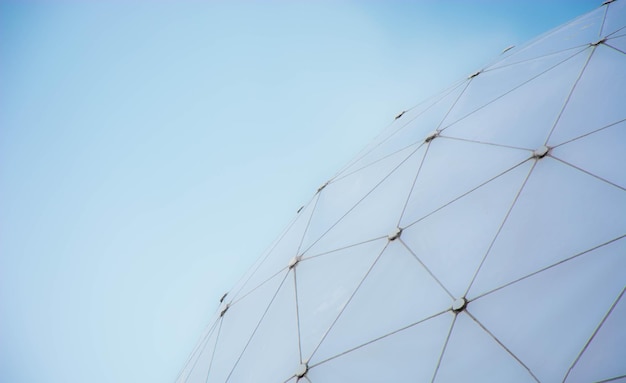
{"x": 480, "y": 238}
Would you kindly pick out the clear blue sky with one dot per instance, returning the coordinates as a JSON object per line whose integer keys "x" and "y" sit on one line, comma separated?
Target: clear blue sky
{"x": 149, "y": 151}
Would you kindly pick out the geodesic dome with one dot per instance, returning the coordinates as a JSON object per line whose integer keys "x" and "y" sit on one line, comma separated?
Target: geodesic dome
{"x": 480, "y": 237}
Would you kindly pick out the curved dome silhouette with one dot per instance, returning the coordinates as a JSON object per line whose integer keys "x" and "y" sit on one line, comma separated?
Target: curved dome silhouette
{"x": 479, "y": 238}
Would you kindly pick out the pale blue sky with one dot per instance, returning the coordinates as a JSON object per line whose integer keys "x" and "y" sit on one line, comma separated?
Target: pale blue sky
{"x": 149, "y": 151}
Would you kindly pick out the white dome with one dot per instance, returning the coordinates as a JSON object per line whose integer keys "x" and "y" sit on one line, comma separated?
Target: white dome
{"x": 479, "y": 238}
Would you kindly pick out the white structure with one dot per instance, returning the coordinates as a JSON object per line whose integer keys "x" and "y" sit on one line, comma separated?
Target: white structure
{"x": 480, "y": 238}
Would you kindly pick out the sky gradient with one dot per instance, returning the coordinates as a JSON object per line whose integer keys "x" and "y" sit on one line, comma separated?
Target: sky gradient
{"x": 150, "y": 151}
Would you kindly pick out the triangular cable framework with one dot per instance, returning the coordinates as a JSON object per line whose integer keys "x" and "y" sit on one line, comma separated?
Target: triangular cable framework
{"x": 480, "y": 237}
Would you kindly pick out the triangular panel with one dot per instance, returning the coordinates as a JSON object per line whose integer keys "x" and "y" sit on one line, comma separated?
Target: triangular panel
{"x": 340, "y": 196}
{"x": 586, "y": 111}
{"x": 618, "y": 43}
{"x": 593, "y": 210}
{"x": 444, "y": 241}
{"x": 605, "y": 159}
{"x": 555, "y": 311}
{"x": 525, "y": 117}
{"x": 239, "y": 322}
{"x": 396, "y": 293}
{"x": 277, "y": 335}
{"x": 406, "y": 356}
{"x": 325, "y": 283}
{"x": 559, "y": 69}
{"x": 367, "y": 162}
{"x": 604, "y": 357}
{"x": 378, "y": 214}
{"x": 452, "y": 168}
{"x": 615, "y": 19}
{"x": 462, "y": 363}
